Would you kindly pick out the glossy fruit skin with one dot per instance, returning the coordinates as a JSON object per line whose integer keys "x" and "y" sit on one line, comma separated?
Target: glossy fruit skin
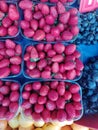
{"x": 49, "y": 23}
{"x": 53, "y": 61}
{"x": 47, "y": 100}
{"x": 9, "y": 16}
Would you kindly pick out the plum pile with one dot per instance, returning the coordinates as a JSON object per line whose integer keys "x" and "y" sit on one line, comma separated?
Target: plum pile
{"x": 9, "y": 99}
{"x": 52, "y": 101}
{"x": 89, "y": 84}
{"x": 9, "y": 17}
{"x": 49, "y": 23}
{"x": 88, "y": 26}
{"x": 10, "y": 58}
{"x": 53, "y": 61}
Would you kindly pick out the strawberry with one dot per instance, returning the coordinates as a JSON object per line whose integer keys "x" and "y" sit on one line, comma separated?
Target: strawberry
{"x": 70, "y": 110}
{"x": 57, "y": 58}
{"x": 69, "y": 65}
{"x": 16, "y": 60}
{"x": 78, "y": 72}
{"x": 78, "y": 113}
{"x": 36, "y": 116}
{"x": 61, "y": 89}
{"x": 74, "y": 88}
{"x": 71, "y": 74}
{"x": 67, "y": 95}
{"x": 69, "y": 58}
{"x": 70, "y": 49}
{"x": 64, "y": 17}
{"x": 34, "y": 53}
{"x": 10, "y": 44}
{"x": 61, "y": 115}
{"x": 13, "y": 12}
{"x": 77, "y": 105}
{"x": 79, "y": 64}
{"x": 76, "y": 97}
{"x": 55, "y": 67}
{"x": 53, "y": 11}
{"x": 77, "y": 54}
{"x": 60, "y": 8}
{"x": 1, "y": 15}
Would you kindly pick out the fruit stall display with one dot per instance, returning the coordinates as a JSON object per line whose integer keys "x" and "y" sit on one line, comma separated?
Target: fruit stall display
{"x": 20, "y": 124}
{"x": 48, "y": 64}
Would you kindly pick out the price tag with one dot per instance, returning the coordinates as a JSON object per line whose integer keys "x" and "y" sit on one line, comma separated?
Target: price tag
{"x": 88, "y": 5}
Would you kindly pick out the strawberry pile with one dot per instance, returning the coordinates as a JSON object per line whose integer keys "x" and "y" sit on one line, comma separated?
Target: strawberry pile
{"x": 9, "y": 17}
{"x": 10, "y": 58}
{"x": 55, "y": 1}
{"x": 53, "y": 61}
{"x": 49, "y": 23}
{"x": 52, "y": 101}
{"x": 9, "y": 98}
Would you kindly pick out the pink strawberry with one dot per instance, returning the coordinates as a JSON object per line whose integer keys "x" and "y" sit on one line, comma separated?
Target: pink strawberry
{"x": 67, "y": 95}
{"x": 76, "y": 97}
{"x": 36, "y": 116}
{"x": 70, "y": 110}
{"x": 61, "y": 89}
{"x": 53, "y": 11}
{"x": 79, "y": 64}
{"x": 78, "y": 113}
{"x": 70, "y": 49}
{"x": 61, "y": 115}
{"x": 69, "y": 58}
{"x": 77, "y": 54}
{"x": 60, "y": 8}
{"x": 77, "y": 105}
{"x": 74, "y": 88}
{"x": 64, "y": 17}
{"x": 34, "y": 53}
{"x": 78, "y": 72}
{"x": 69, "y": 65}
{"x": 71, "y": 74}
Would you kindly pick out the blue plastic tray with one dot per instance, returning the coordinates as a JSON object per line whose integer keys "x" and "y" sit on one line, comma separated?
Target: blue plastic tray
{"x": 15, "y": 2}
{"x": 19, "y": 101}
{"x": 24, "y": 67}
{"x": 68, "y": 7}
{"x": 22, "y": 89}
{"x": 14, "y": 76}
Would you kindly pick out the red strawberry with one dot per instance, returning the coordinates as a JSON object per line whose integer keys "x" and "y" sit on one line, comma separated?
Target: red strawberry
{"x": 78, "y": 72}
{"x": 78, "y": 114}
{"x": 1, "y": 15}
{"x": 53, "y": 11}
{"x": 55, "y": 67}
{"x": 77, "y": 105}
{"x": 64, "y": 17}
{"x": 76, "y": 97}
{"x": 70, "y": 49}
{"x": 69, "y": 58}
{"x": 16, "y": 60}
{"x": 71, "y": 74}
{"x": 57, "y": 58}
{"x": 61, "y": 89}
{"x": 79, "y": 64}
{"x": 60, "y": 8}
{"x": 77, "y": 54}
{"x": 61, "y": 115}
{"x": 70, "y": 110}
{"x": 34, "y": 53}
{"x": 74, "y": 88}
{"x": 67, "y": 95}
{"x": 69, "y": 65}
